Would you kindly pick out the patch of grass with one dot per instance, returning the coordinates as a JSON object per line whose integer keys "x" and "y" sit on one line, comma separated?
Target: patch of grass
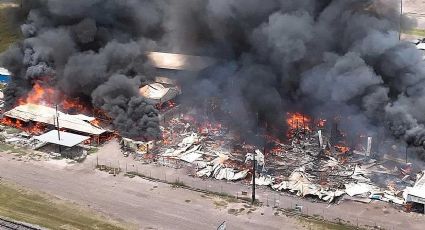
{"x": 8, "y": 35}
{"x": 417, "y": 32}
{"x": 18, "y": 151}
{"x": 319, "y": 224}
{"x": 220, "y": 203}
{"x": 178, "y": 183}
{"x": 187, "y": 201}
{"x": 29, "y": 207}
{"x": 92, "y": 150}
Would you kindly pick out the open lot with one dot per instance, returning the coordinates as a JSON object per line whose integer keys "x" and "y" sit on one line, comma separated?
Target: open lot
{"x": 17, "y": 203}
{"x": 150, "y": 205}
{"x": 8, "y": 35}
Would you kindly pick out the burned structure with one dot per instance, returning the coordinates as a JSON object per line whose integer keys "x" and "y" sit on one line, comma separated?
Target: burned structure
{"x": 314, "y": 88}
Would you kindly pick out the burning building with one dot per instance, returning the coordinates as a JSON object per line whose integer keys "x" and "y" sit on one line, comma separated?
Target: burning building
{"x": 307, "y": 83}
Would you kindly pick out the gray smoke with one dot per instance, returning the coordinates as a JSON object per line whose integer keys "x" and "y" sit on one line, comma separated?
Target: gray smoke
{"x": 327, "y": 58}
{"x": 93, "y": 50}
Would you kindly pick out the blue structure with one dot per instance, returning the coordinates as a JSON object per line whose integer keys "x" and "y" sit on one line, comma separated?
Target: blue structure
{"x": 4, "y": 75}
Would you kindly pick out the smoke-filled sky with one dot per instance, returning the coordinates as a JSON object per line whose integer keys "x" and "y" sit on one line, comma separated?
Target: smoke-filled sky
{"x": 327, "y": 58}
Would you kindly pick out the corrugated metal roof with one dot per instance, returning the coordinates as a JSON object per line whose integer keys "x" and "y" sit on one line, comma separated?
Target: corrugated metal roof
{"x": 159, "y": 93}
{"x": 179, "y": 61}
{"x": 47, "y": 115}
{"x": 66, "y": 139}
{"x": 418, "y": 190}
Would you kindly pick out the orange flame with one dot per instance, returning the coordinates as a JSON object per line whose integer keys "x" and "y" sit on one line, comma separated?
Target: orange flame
{"x": 342, "y": 148}
{"x": 73, "y": 104}
{"x": 36, "y": 128}
{"x": 298, "y": 121}
{"x": 321, "y": 123}
{"x": 38, "y": 95}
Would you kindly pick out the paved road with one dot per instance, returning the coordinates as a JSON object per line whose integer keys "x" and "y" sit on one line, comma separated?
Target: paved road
{"x": 161, "y": 207}
{"x": 377, "y": 213}
{"x": 150, "y": 205}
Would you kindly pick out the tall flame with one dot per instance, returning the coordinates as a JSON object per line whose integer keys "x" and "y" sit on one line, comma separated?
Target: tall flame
{"x": 38, "y": 95}
{"x": 297, "y": 121}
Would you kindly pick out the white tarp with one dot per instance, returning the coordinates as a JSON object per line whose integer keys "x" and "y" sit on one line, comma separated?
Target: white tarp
{"x": 299, "y": 183}
{"x": 264, "y": 180}
{"x": 191, "y": 157}
{"x": 66, "y": 139}
{"x": 47, "y": 115}
{"x": 354, "y": 189}
{"x": 259, "y": 157}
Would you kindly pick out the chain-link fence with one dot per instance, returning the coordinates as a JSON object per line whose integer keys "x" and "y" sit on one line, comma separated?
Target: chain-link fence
{"x": 280, "y": 201}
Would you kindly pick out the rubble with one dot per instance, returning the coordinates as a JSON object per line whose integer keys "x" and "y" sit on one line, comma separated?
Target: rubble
{"x": 307, "y": 165}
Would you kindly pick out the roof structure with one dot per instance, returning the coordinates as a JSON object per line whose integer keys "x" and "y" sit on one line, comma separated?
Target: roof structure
{"x": 417, "y": 192}
{"x": 66, "y": 139}
{"x": 159, "y": 93}
{"x": 4, "y": 71}
{"x": 179, "y": 61}
{"x": 47, "y": 115}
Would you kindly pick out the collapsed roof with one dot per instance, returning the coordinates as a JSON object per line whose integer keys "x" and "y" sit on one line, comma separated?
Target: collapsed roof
{"x": 417, "y": 192}
{"x": 47, "y": 115}
{"x": 179, "y": 61}
{"x": 159, "y": 93}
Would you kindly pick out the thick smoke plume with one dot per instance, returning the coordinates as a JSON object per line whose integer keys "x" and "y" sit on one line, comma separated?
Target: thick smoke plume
{"x": 328, "y": 58}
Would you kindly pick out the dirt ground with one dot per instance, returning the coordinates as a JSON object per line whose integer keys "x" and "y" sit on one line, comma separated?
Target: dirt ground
{"x": 374, "y": 214}
{"x": 154, "y": 205}
{"x": 150, "y": 205}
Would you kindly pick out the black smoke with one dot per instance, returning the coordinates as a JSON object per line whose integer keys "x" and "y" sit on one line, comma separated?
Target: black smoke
{"x": 327, "y": 58}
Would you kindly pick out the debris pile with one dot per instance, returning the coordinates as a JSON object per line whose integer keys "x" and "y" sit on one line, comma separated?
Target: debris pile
{"x": 307, "y": 164}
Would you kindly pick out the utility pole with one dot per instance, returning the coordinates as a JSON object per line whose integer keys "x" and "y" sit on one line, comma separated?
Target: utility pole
{"x": 401, "y": 19}
{"x": 57, "y": 122}
{"x": 59, "y": 134}
{"x": 253, "y": 177}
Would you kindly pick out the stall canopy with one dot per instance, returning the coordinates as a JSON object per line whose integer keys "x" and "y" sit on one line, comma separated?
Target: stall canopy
{"x": 66, "y": 139}
{"x": 47, "y": 115}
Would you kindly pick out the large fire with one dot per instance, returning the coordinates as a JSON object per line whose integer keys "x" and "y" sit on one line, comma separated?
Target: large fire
{"x": 39, "y": 95}
{"x": 298, "y": 121}
{"x": 34, "y": 128}
{"x": 342, "y": 148}
{"x": 42, "y": 94}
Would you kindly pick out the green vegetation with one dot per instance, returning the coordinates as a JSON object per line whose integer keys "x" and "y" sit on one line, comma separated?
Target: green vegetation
{"x": 417, "y": 32}
{"x": 13, "y": 149}
{"x": 178, "y": 184}
{"x": 8, "y": 35}
{"x": 325, "y": 225}
{"x": 21, "y": 205}
{"x": 92, "y": 150}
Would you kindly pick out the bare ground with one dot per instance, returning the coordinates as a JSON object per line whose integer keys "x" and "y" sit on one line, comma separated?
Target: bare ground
{"x": 159, "y": 206}
{"x": 148, "y": 204}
